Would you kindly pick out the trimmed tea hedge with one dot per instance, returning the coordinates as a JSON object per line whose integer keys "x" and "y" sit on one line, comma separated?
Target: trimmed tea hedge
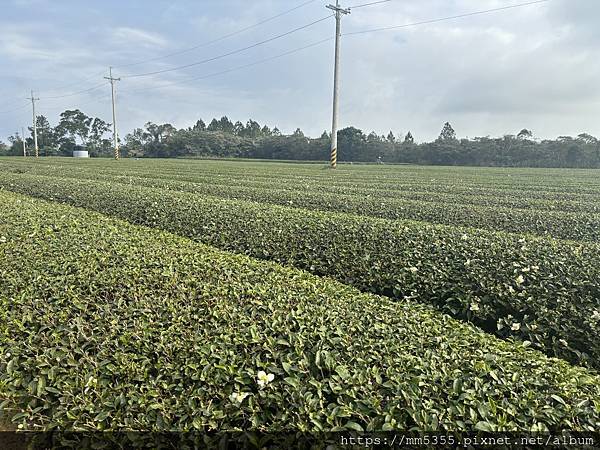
{"x": 563, "y": 220}
{"x": 117, "y": 327}
{"x": 248, "y": 180}
{"x": 545, "y": 292}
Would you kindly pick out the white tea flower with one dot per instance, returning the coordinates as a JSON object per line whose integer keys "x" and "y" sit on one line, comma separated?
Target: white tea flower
{"x": 263, "y": 378}
{"x": 238, "y": 397}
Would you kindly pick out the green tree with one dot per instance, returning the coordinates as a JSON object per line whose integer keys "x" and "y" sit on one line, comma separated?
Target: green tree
{"x": 159, "y": 133}
{"x": 165, "y": 131}
{"x": 574, "y": 156}
{"x": 252, "y": 129}
{"x": 351, "y": 143}
{"x": 48, "y": 137}
{"x": 153, "y": 130}
{"x": 587, "y": 139}
{"x": 214, "y": 125}
{"x": 226, "y": 125}
{"x": 258, "y": 141}
{"x": 136, "y": 141}
{"x": 76, "y": 128}
{"x": 199, "y": 126}
{"x": 448, "y": 133}
{"x": 238, "y": 128}
{"x": 76, "y": 125}
{"x": 16, "y": 146}
{"x": 525, "y": 134}
{"x": 96, "y": 141}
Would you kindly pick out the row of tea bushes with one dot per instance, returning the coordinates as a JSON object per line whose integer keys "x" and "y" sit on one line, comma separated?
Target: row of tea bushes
{"x": 118, "y": 327}
{"x": 414, "y": 188}
{"x": 525, "y": 183}
{"x": 542, "y": 291}
{"x": 570, "y": 220}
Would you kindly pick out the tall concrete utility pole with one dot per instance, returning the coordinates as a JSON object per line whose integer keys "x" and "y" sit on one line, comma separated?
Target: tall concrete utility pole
{"x": 336, "y": 78}
{"x": 114, "y": 112}
{"x": 23, "y": 139}
{"x": 35, "y": 141}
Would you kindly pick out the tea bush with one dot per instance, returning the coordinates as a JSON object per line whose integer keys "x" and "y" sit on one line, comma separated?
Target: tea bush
{"x": 542, "y": 291}
{"x": 118, "y": 327}
{"x": 564, "y": 219}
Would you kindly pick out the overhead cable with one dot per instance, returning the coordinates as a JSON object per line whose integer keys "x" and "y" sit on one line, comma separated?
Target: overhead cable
{"x": 219, "y": 39}
{"x": 234, "y": 52}
{"x": 459, "y": 16}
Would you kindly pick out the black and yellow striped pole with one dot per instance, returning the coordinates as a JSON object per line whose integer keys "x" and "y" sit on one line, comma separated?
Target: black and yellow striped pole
{"x": 334, "y": 157}
{"x": 336, "y": 86}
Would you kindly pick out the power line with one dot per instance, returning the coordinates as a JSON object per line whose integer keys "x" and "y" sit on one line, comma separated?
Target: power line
{"x": 98, "y": 86}
{"x": 219, "y": 39}
{"x": 15, "y": 109}
{"x": 85, "y": 80}
{"x": 71, "y": 84}
{"x": 233, "y": 69}
{"x": 10, "y": 104}
{"x": 234, "y": 52}
{"x": 205, "y": 44}
{"x": 79, "y": 104}
{"x": 279, "y": 55}
{"x": 369, "y": 4}
{"x": 459, "y": 16}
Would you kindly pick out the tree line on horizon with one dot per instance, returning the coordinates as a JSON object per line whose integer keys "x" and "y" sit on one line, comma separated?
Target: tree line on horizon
{"x": 222, "y": 138}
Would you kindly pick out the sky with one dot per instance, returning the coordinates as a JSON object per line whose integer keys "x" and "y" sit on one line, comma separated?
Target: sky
{"x": 534, "y": 67}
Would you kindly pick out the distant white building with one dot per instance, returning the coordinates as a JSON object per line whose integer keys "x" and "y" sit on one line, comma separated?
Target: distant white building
{"x": 81, "y": 154}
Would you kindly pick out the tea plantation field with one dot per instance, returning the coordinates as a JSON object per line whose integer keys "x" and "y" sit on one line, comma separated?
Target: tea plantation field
{"x": 182, "y": 295}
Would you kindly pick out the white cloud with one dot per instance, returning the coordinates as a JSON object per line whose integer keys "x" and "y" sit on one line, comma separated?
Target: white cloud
{"x": 534, "y": 67}
{"x": 126, "y": 36}
{"x": 21, "y": 46}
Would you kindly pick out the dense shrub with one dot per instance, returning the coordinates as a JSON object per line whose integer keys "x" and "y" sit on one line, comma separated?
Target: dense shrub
{"x": 114, "y": 326}
{"x": 543, "y": 291}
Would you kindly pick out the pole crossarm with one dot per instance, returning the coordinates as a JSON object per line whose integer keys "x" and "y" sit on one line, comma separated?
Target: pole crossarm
{"x": 338, "y": 9}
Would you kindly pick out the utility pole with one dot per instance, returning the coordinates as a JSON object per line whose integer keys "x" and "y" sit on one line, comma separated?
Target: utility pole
{"x": 35, "y": 141}
{"x": 336, "y": 86}
{"x": 23, "y": 139}
{"x": 114, "y": 112}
